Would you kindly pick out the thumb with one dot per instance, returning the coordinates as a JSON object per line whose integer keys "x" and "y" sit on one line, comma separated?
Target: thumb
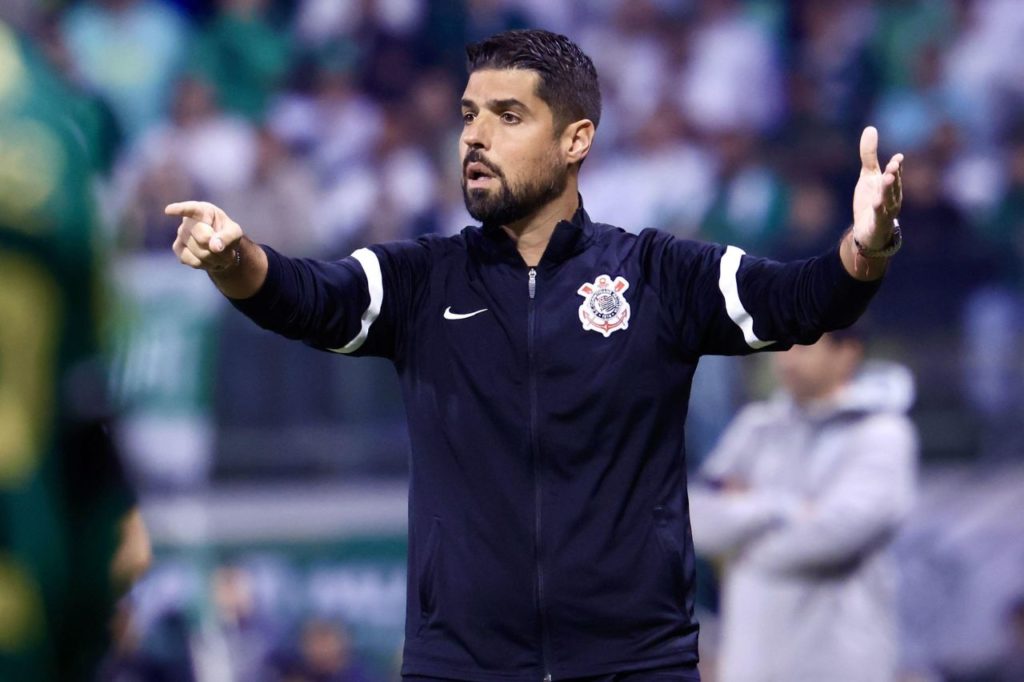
{"x": 227, "y": 235}
{"x": 869, "y": 149}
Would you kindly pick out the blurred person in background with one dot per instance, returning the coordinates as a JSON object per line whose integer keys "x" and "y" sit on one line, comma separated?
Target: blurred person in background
{"x": 832, "y": 61}
{"x": 130, "y": 52}
{"x": 324, "y": 653}
{"x": 583, "y": 453}
{"x": 448, "y": 26}
{"x": 132, "y": 656}
{"x": 333, "y": 126}
{"x": 813, "y": 220}
{"x": 242, "y": 631}
{"x": 634, "y": 65}
{"x": 171, "y": 156}
{"x": 139, "y": 228}
{"x": 748, "y": 206}
{"x": 916, "y": 110}
{"x": 405, "y": 204}
{"x": 661, "y": 178}
{"x": 391, "y": 195}
{"x": 321, "y": 22}
{"x": 71, "y": 537}
{"x": 931, "y": 290}
{"x": 281, "y": 184}
{"x": 102, "y": 135}
{"x": 1004, "y": 230}
{"x": 799, "y": 502}
{"x": 994, "y": 321}
{"x": 731, "y": 82}
{"x": 243, "y": 55}
{"x": 197, "y": 129}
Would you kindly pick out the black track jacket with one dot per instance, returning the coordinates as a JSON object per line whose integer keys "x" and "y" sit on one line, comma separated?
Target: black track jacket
{"x": 548, "y": 525}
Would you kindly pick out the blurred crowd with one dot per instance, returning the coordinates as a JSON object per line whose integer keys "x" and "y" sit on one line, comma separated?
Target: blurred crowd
{"x": 249, "y": 636}
{"x": 322, "y": 125}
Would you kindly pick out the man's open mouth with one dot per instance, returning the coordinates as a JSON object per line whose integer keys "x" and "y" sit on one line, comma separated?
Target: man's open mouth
{"x": 478, "y": 175}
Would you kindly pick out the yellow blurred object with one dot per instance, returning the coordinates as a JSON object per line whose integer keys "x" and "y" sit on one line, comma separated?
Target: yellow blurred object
{"x": 20, "y": 606}
{"x": 13, "y": 79}
{"x": 32, "y": 162}
{"x": 30, "y": 307}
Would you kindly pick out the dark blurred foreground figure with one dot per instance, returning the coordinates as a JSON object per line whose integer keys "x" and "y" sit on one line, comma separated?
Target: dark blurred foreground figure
{"x": 64, "y": 504}
{"x": 799, "y": 502}
{"x": 546, "y": 361}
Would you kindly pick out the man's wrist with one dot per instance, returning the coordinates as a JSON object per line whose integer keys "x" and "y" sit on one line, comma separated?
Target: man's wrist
{"x": 857, "y": 266}
{"x": 235, "y": 260}
{"x": 244, "y": 275}
{"x": 887, "y": 250}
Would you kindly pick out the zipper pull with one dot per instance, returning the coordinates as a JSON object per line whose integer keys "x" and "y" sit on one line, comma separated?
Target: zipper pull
{"x": 533, "y": 284}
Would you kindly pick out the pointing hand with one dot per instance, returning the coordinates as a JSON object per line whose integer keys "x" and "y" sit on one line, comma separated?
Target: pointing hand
{"x": 207, "y": 238}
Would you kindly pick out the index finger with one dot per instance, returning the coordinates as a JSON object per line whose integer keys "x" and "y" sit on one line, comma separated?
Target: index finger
{"x": 197, "y": 210}
{"x": 869, "y": 149}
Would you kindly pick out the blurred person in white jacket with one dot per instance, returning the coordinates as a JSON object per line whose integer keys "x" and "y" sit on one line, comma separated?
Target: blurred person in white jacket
{"x": 799, "y": 502}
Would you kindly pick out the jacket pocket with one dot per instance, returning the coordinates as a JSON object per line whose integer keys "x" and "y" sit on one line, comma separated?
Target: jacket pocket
{"x": 672, "y": 551}
{"x": 428, "y": 572}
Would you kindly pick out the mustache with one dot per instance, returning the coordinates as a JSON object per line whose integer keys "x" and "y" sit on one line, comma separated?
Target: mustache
{"x": 475, "y": 156}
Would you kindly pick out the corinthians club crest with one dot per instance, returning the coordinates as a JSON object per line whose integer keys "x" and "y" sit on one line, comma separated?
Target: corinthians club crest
{"x": 604, "y": 309}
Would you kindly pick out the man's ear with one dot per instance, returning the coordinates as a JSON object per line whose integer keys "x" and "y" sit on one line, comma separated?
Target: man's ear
{"x": 576, "y": 140}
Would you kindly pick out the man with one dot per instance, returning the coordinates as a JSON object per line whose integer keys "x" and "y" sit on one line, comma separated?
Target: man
{"x": 801, "y": 498}
{"x": 546, "y": 362}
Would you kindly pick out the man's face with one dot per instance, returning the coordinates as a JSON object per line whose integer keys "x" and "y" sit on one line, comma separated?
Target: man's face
{"x": 512, "y": 162}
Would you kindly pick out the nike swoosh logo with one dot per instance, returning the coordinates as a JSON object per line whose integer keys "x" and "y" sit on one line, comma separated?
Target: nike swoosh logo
{"x": 449, "y": 315}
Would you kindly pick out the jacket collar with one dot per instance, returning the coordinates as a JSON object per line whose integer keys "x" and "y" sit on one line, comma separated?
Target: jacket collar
{"x": 569, "y": 238}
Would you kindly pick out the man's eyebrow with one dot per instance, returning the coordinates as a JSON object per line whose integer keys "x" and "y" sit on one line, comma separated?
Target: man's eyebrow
{"x": 496, "y": 104}
{"x": 504, "y": 104}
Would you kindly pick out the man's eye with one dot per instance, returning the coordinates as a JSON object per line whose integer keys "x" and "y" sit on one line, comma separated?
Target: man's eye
{"x": 468, "y": 117}
{"x": 509, "y": 118}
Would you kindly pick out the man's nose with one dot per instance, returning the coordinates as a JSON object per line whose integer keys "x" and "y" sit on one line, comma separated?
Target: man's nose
{"x": 476, "y": 135}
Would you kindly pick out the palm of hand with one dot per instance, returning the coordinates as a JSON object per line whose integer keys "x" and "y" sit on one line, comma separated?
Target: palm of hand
{"x": 878, "y": 195}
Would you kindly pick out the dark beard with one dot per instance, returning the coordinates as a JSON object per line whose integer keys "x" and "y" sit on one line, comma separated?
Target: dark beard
{"x": 511, "y": 203}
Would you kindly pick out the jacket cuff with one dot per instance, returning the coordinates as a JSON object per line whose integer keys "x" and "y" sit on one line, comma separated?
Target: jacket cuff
{"x": 843, "y": 283}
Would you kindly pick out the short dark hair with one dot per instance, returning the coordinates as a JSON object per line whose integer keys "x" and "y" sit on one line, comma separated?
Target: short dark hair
{"x": 568, "y": 79}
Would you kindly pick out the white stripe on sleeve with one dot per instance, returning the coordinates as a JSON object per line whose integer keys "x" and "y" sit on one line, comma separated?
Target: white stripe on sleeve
{"x": 727, "y": 282}
{"x": 375, "y": 283}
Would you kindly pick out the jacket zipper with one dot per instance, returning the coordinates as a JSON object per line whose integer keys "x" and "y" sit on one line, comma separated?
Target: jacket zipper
{"x": 535, "y": 448}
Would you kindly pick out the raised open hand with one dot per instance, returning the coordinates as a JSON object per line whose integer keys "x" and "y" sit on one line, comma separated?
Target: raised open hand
{"x": 878, "y": 195}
